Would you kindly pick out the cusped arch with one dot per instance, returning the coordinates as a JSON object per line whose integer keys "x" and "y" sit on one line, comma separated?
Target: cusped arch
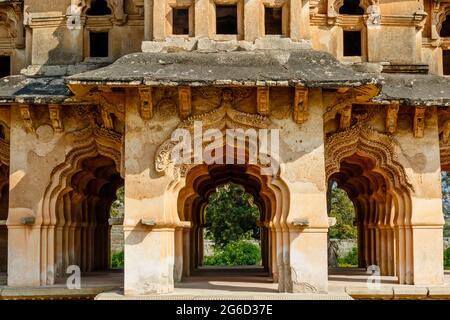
{"x": 370, "y": 143}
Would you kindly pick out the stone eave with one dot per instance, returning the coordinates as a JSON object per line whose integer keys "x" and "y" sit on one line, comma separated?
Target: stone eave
{"x": 33, "y": 90}
{"x": 414, "y": 90}
{"x": 308, "y": 68}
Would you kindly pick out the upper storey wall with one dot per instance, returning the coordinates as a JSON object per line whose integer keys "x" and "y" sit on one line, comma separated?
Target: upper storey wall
{"x": 398, "y": 31}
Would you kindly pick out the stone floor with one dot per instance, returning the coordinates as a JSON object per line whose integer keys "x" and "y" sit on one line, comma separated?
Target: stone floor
{"x": 244, "y": 284}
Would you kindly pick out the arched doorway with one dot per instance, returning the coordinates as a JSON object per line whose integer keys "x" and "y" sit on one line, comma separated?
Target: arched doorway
{"x": 201, "y": 182}
{"x": 362, "y": 163}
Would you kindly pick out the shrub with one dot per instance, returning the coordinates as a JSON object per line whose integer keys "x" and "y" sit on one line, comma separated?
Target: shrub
{"x": 236, "y": 253}
{"x": 117, "y": 260}
{"x": 349, "y": 260}
{"x": 447, "y": 259}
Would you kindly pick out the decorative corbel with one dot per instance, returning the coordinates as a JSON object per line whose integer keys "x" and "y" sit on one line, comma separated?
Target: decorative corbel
{"x": 26, "y": 117}
{"x": 108, "y": 121}
{"x": 419, "y": 122}
{"x": 300, "y": 105}
{"x": 391, "y": 117}
{"x": 346, "y": 117}
{"x": 146, "y": 105}
{"x": 263, "y": 100}
{"x": 55, "y": 114}
{"x": 446, "y": 132}
{"x": 184, "y": 101}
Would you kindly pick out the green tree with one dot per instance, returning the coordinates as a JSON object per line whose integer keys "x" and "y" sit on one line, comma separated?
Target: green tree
{"x": 445, "y": 185}
{"x": 236, "y": 253}
{"x": 231, "y": 215}
{"x": 117, "y": 207}
{"x": 343, "y": 210}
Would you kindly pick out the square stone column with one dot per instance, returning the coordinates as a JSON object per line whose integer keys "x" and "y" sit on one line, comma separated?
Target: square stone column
{"x": 304, "y": 173}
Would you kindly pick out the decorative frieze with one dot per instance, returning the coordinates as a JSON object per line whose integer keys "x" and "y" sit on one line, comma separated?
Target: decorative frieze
{"x": 300, "y": 105}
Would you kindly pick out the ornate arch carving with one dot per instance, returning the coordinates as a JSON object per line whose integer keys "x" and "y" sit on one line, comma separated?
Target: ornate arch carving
{"x": 224, "y": 117}
{"x": 364, "y": 139}
{"x": 440, "y": 13}
{"x": 335, "y": 5}
{"x": 10, "y": 19}
{"x": 116, "y": 6}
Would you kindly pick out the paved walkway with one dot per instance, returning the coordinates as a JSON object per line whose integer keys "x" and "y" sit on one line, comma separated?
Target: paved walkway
{"x": 248, "y": 284}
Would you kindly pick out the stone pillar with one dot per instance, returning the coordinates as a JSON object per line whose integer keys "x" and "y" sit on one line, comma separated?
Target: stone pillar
{"x": 420, "y": 156}
{"x": 159, "y": 20}
{"x": 202, "y": 19}
{"x": 29, "y": 236}
{"x": 150, "y": 210}
{"x": 299, "y": 20}
{"x": 252, "y": 20}
{"x": 307, "y": 220}
{"x": 148, "y": 20}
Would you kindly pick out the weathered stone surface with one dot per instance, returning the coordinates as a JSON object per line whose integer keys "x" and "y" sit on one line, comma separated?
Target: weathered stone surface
{"x": 414, "y": 90}
{"x": 33, "y": 90}
{"x": 303, "y": 67}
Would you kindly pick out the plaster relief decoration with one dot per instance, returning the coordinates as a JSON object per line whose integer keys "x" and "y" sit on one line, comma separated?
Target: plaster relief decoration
{"x": 361, "y": 138}
{"x": 440, "y": 12}
{"x": 116, "y": 6}
{"x": 26, "y": 117}
{"x": 146, "y": 105}
{"x": 56, "y": 118}
{"x": 222, "y": 118}
{"x": 10, "y": 22}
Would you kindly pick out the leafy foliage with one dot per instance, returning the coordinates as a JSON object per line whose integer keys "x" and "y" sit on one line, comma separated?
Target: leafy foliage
{"x": 447, "y": 259}
{"x": 445, "y": 178}
{"x": 236, "y": 253}
{"x": 231, "y": 215}
{"x": 349, "y": 260}
{"x": 343, "y": 210}
{"x": 117, "y": 260}
{"x": 117, "y": 207}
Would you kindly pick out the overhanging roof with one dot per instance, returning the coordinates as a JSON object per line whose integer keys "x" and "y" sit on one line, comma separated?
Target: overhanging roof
{"x": 270, "y": 67}
{"x": 23, "y": 89}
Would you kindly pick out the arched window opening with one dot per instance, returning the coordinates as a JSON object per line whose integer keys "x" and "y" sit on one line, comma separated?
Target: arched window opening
{"x": 351, "y": 7}
{"x": 98, "y": 8}
{"x": 445, "y": 29}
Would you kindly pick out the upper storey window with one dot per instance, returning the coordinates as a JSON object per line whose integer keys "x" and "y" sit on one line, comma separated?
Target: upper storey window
{"x": 273, "y": 20}
{"x": 180, "y": 21}
{"x": 445, "y": 29}
{"x": 226, "y": 19}
{"x": 446, "y": 62}
{"x": 5, "y": 66}
{"x": 351, "y": 7}
{"x": 98, "y": 8}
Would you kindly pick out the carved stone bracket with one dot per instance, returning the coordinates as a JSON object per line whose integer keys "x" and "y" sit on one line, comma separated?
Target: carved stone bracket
{"x": 391, "y": 117}
{"x": 300, "y": 105}
{"x": 26, "y": 117}
{"x": 108, "y": 121}
{"x": 263, "y": 101}
{"x": 146, "y": 106}
{"x": 346, "y": 117}
{"x": 446, "y": 132}
{"x": 56, "y": 117}
{"x": 419, "y": 122}
{"x": 184, "y": 101}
